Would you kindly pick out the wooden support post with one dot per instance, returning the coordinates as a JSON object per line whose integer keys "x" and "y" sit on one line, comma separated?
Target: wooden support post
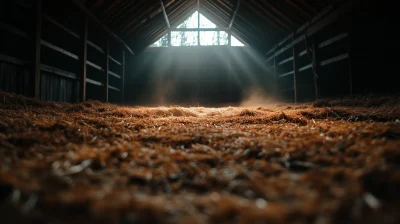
{"x": 123, "y": 66}
{"x": 38, "y": 34}
{"x": 294, "y": 71}
{"x": 106, "y": 68}
{"x": 84, "y": 9}
{"x": 350, "y": 66}
{"x": 169, "y": 38}
{"x": 315, "y": 67}
{"x": 82, "y": 59}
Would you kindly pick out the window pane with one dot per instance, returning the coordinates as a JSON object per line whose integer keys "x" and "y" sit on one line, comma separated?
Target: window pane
{"x": 206, "y": 23}
{"x": 191, "y": 22}
{"x": 184, "y": 38}
{"x": 162, "y": 42}
{"x": 223, "y": 38}
{"x": 208, "y": 38}
{"x": 235, "y": 42}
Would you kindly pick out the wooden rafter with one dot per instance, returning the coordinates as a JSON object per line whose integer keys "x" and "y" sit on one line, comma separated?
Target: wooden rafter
{"x": 234, "y": 14}
{"x": 165, "y": 14}
{"x": 90, "y": 14}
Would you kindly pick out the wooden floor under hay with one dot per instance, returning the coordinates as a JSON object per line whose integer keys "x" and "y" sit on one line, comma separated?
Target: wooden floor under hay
{"x": 331, "y": 162}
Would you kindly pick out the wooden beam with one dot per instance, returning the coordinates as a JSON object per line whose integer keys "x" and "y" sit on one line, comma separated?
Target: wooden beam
{"x": 93, "y": 45}
{"x": 334, "y": 59}
{"x": 114, "y": 74}
{"x": 202, "y": 29}
{"x": 234, "y": 14}
{"x": 38, "y": 34}
{"x": 169, "y": 38}
{"x": 94, "y": 82}
{"x": 123, "y": 67}
{"x": 106, "y": 68}
{"x": 57, "y": 71}
{"x": 165, "y": 14}
{"x": 294, "y": 71}
{"x": 72, "y": 33}
{"x": 286, "y": 74}
{"x": 332, "y": 40}
{"x": 12, "y": 29}
{"x": 93, "y": 65}
{"x": 276, "y": 79}
{"x": 13, "y": 60}
{"x": 298, "y": 8}
{"x": 315, "y": 66}
{"x": 350, "y": 67}
{"x": 301, "y": 54}
{"x": 81, "y": 5}
{"x": 83, "y": 60}
{"x": 305, "y": 67}
{"x": 114, "y": 60}
{"x": 328, "y": 15}
{"x": 114, "y": 88}
{"x": 59, "y": 49}
{"x": 285, "y": 60}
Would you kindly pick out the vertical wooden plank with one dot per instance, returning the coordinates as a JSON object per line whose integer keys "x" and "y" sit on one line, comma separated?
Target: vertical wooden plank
{"x": 27, "y": 82}
{"x": 19, "y": 81}
{"x": 83, "y": 58}
{"x": 38, "y": 34}
{"x": 315, "y": 67}
{"x": 1, "y": 75}
{"x": 43, "y": 88}
{"x": 123, "y": 66}
{"x": 350, "y": 66}
{"x": 169, "y": 39}
{"x": 106, "y": 68}
{"x": 294, "y": 71}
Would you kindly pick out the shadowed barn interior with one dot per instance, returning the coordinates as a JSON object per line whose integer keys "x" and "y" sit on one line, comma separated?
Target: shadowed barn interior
{"x": 199, "y": 111}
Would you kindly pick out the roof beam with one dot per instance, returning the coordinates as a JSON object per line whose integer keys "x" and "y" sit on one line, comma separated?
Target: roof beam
{"x": 298, "y": 8}
{"x": 326, "y": 16}
{"x": 165, "y": 14}
{"x": 202, "y": 29}
{"x": 234, "y": 14}
{"x": 90, "y": 14}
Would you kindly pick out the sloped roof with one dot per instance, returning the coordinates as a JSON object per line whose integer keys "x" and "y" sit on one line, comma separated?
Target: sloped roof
{"x": 260, "y": 23}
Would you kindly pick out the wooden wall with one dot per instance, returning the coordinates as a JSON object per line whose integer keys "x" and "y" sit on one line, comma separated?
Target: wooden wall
{"x": 350, "y": 48}
{"x": 61, "y": 45}
{"x": 342, "y": 51}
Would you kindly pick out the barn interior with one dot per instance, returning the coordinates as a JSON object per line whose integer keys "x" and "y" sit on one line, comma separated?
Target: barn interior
{"x": 199, "y": 111}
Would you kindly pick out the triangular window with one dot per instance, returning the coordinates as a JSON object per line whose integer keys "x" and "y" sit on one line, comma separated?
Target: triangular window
{"x": 197, "y": 30}
{"x": 206, "y": 23}
{"x": 235, "y": 42}
{"x": 190, "y": 22}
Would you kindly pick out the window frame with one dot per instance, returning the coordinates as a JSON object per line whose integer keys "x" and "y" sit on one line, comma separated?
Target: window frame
{"x": 199, "y": 30}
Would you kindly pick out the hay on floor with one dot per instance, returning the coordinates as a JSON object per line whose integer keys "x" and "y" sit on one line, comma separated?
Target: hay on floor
{"x": 331, "y": 162}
